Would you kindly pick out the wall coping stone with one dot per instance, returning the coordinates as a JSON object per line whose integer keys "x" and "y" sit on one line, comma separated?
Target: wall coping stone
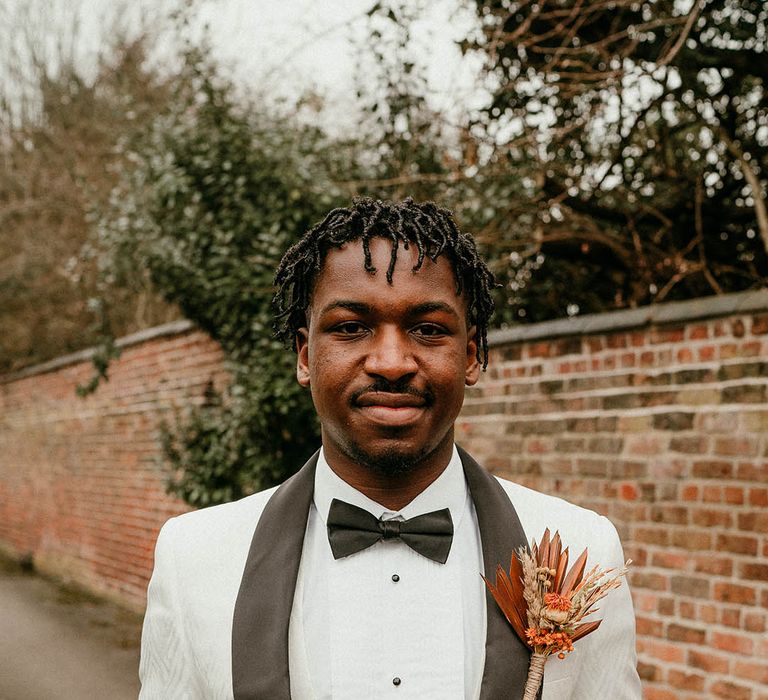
{"x": 165, "y": 330}
{"x": 654, "y": 314}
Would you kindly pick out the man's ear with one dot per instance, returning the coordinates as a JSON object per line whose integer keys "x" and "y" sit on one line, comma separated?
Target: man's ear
{"x": 473, "y": 365}
{"x": 302, "y": 356}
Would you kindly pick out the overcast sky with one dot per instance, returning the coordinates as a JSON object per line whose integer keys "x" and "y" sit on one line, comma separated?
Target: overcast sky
{"x": 285, "y": 47}
{"x": 305, "y": 44}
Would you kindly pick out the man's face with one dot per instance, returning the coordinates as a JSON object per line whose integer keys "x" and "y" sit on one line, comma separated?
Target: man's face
{"x": 386, "y": 363}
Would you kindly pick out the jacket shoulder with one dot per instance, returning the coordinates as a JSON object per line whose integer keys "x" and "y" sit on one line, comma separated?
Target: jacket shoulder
{"x": 579, "y": 528}
{"x": 218, "y": 531}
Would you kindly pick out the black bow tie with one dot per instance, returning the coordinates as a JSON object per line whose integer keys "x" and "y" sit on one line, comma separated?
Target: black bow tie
{"x": 351, "y": 529}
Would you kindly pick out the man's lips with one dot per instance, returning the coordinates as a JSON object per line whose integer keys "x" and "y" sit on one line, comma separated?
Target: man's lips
{"x": 391, "y": 409}
{"x": 382, "y": 398}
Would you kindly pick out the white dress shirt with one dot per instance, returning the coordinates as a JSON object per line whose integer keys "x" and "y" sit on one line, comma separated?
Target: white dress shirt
{"x": 386, "y": 621}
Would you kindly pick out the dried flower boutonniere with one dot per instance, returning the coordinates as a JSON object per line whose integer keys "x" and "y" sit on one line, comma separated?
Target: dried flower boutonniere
{"x": 545, "y": 605}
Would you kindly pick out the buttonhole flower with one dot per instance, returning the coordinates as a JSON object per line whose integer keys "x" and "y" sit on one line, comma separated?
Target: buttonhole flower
{"x": 545, "y": 605}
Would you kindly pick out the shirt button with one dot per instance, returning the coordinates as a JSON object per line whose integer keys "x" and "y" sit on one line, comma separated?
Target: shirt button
{"x": 396, "y": 681}
{"x": 395, "y": 578}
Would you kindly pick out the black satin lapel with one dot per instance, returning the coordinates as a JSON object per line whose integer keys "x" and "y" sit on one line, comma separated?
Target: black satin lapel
{"x": 265, "y": 598}
{"x": 506, "y": 657}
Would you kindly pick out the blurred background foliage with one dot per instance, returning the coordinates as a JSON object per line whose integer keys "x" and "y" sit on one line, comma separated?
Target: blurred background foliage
{"x": 619, "y": 159}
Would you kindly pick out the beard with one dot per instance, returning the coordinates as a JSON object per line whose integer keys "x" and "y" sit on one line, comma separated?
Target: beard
{"x": 390, "y": 462}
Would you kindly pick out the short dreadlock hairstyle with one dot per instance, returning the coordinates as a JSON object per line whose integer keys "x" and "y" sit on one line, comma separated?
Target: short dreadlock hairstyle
{"x": 427, "y": 226}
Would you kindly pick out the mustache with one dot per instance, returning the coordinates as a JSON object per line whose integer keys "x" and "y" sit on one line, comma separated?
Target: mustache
{"x": 384, "y": 386}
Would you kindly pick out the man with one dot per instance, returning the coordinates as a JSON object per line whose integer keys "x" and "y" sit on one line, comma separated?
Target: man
{"x": 360, "y": 576}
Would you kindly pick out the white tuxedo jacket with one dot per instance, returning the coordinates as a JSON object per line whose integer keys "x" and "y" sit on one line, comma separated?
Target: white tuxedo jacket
{"x": 221, "y": 603}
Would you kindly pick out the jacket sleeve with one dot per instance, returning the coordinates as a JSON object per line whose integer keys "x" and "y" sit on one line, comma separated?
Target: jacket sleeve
{"x": 167, "y": 669}
{"x": 609, "y": 666}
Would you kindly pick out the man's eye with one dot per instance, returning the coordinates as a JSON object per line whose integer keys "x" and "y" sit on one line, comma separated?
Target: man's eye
{"x": 429, "y": 330}
{"x": 349, "y": 328}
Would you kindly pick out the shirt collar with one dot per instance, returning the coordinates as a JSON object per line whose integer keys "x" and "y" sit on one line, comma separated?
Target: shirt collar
{"x": 449, "y": 490}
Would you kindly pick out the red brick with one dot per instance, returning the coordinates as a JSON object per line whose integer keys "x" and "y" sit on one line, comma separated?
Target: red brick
{"x": 748, "y": 471}
{"x": 708, "y": 614}
{"x": 664, "y": 651}
{"x": 616, "y": 340}
{"x": 628, "y": 359}
{"x": 665, "y": 559}
{"x": 731, "y": 691}
{"x": 700, "y": 332}
{"x": 667, "y": 335}
{"x": 539, "y": 349}
{"x": 691, "y": 539}
{"x": 731, "y": 617}
{"x": 689, "y": 492}
{"x": 689, "y": 444}
{"x": 648, "y": 627}
{"x": 689, "y": 635}
{"x": 759, "y": 324}
{"x": 738, "y": 544}
{"x": 645, "y": 579}
{"x": 719, "y": 566}
{"x": 754, "y": 622}
{"x": 736, "y": 447}
{"x": 688, "y": 610}
{"x": 692, "y": 682}
{"x": 712, "y": 493}
{"x": 735, "y": 593}
{"x": 707, "y": 661}
{"x": 670, "y": 515}
{"x": 711, "y": 517}
{"x": 628, "y": 492}
{"x": 733, "y": 495}
{"x": 754, "y": 522}
{"x": 694, "y": 586}
{"x": 754, "y": 572}
{"x": 709, "y": 469}
{"x": 751, "y": 671}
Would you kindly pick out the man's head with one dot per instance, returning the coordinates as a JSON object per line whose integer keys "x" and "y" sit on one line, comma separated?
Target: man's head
{"x": 388, "y": 307}
{"x": 427, "y": 226}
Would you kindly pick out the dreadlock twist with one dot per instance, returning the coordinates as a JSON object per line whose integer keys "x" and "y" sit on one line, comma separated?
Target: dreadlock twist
{"x": 429, "y": 227}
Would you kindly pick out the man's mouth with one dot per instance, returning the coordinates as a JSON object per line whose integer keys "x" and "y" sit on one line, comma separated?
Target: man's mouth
{"x": 390, "y": 400}
{"x": 392, "y": 409}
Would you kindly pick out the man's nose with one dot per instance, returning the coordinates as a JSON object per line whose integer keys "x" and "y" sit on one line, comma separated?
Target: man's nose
{"x": 391, "y": 355}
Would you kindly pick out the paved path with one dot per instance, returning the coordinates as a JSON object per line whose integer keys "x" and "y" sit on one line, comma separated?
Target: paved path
{"x": 58, "y": 644}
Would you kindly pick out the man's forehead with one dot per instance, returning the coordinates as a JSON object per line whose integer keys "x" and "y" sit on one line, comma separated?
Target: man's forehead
{"x": 385, "y": 256}
{"x": 344, "y": 282}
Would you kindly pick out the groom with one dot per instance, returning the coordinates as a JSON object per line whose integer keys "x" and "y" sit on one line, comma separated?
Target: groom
{"x": 359, "y": 577}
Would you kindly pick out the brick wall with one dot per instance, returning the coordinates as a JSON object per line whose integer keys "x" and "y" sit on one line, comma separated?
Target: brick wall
{"x": 656, "y": 418}
{"x": 81, "y": 489}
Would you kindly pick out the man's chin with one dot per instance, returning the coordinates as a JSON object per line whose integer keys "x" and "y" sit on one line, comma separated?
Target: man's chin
{"x": 390, "y": 461}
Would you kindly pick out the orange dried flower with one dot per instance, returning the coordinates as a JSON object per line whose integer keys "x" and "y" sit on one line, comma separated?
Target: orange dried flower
{"x": 555, "y": 601}
{"x": 546, "y": 641}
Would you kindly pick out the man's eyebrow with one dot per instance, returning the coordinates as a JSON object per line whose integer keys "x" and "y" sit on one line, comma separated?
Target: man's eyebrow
{"x": 353, "y": 306}
{"x": 359, "y": 307}
{"x": 432, "y": 306}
